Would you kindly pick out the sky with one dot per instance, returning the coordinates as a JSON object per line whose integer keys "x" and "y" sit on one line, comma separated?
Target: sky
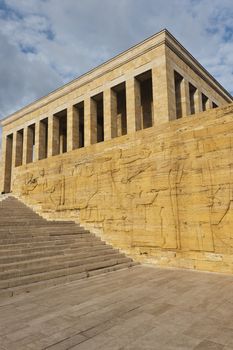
{"x": 46, "y": 43}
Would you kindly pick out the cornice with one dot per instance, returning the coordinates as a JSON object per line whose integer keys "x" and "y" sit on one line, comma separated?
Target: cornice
{"x": 184, "y": 55}
{"x": 122, "y": 58}
{"x": 158, "y": 39}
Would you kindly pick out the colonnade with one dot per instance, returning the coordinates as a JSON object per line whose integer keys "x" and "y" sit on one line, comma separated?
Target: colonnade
{"x": 137, "y": 103}
{"x": 116, "y": 111}
{"x": 188, "y": 98}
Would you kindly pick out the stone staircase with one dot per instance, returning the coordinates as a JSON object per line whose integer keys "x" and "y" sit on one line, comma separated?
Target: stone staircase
{"x": 36, "y": 253}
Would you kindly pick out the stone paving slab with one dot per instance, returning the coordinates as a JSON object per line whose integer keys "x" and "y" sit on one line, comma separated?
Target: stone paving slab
{"x": 133, "y": 309}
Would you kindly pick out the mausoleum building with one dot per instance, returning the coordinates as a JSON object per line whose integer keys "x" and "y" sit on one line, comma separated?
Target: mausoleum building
{"x": 138, "y": 150}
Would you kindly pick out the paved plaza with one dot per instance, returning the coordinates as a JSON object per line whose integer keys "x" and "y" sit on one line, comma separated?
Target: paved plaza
{"x": 139, "y": 308}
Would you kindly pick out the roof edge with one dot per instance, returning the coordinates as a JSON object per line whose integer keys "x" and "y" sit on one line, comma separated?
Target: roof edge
{"x": 198, "y": 64}
{"x": 165, "y": 31}
{"x": 86, "y": 73}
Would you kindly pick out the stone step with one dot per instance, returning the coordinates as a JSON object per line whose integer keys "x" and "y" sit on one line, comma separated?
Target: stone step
{"x": 37, "y": 253}
{"x": 39, "y": 244}
{"x": 46, "y": 233}
{"x": 20, "y": 216}
{"x": 59, "y": 265}
{"x": 36, "y": 286}
{"x": 15, "y": 239}
{"x": 50, "y": 225}
{"x": 27, "y": 221}
{"x": 82, "y": 253}
{"x": 16, "y": 211}
{"x": 51, "y": 248}
{"x": 14, "y": 282}
{"x": 43, "y": 221}
{"x": 57, "y": 252}
{"x": 79, "y": 237}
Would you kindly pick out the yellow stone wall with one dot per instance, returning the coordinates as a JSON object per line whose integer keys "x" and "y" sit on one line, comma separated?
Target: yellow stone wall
{"x": 1, "y": 175}
{"x": 164, "y": 195}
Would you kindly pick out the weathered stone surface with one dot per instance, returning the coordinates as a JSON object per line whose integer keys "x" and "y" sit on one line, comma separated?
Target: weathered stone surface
{"x": 36, "y": 253}
{"x": 141, "y": 308}
{"x": 163, "y": 195}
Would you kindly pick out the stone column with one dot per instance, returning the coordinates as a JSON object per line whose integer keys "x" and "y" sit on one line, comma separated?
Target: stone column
{"x": 50, "y": 135}
{"x": 72, "y": 128}
{"x": 25, "y": 137}
{"x": 93, "y": 121}
{"x": 133, "y": 105}
{"x": 209, "y": 104}
{"x": 28, "y": 145}
{"x": 185, "y": 98}
{"x": 37, "y": 141}
{"x": 162, "y": 87}
{"x": 116, "y": 120}
{"x": 53, "y": 136}
{"x": 42, "y": 140}
{"x": 7, "y": 162}
{"x": 87, "y": 122}
{"x": 107, "y": 115}
{"x": 19, "y": 148}
{"x": 168, "y": 86}
{"x": 198, "y": 101}
{"x": 30, "y": 137}
{"x": 90, "y": 121}
{"x": 70, "y": 120}
{"x": 14, "y": 144}
{"x": 110, "y": 114}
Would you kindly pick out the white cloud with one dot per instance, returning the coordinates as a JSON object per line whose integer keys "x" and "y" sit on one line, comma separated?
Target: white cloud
{"x": 44, "y": 43}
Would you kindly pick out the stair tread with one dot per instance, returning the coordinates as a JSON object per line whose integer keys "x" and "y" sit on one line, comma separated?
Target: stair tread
{"x": 41, "y": 254}
{"x": 62, "y": 272}
{"x": 35, "y": 286}
{"x": 38, "y": 252}
{"x": 56, "y": 259}
{"x": 56, "y": 265}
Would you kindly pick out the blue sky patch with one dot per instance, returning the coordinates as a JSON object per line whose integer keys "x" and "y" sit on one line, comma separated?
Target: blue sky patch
{"x": 228, "y": 34}
{"x": 27, "y": 49}
{"x": 7, "y": 12}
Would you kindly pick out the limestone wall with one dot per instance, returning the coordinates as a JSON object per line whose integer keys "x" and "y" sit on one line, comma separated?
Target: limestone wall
{"x": 164, "y": 195}
{"x": 1, "y": 175}
{"x": 1, "y": 169}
